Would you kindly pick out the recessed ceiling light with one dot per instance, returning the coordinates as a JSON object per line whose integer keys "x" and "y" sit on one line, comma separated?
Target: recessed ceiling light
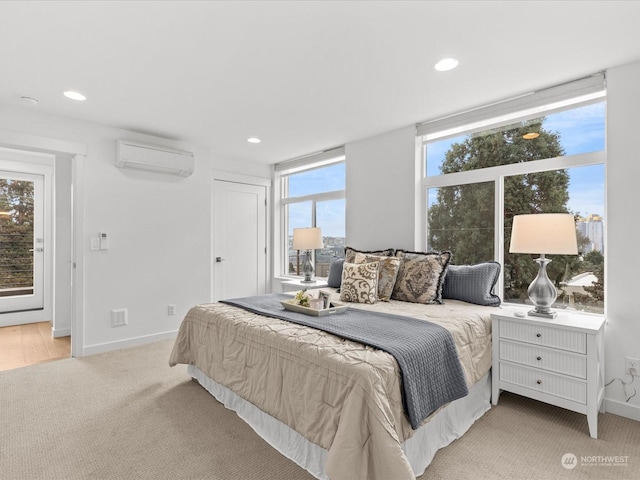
{"x": 253, "y": 140}
{"x": 29, "y": 101}
{"x": 446, "y": 64}
{"x": 530, "y": 135}
{"x": 75, "y": 96}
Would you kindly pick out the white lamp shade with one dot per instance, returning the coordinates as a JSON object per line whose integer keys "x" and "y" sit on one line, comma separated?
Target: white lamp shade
{"x": 547, "y": 233}
{"x": 307, "y": 238}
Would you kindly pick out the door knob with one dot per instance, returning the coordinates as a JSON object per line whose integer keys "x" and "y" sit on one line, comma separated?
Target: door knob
{"x": 219, "y": 259}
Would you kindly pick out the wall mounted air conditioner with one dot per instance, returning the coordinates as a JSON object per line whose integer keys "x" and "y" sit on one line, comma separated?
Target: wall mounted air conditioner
{"x": 153, "y": 158}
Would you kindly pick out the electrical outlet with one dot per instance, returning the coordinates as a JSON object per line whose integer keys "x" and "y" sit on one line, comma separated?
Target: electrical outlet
{"x": 171, "y": 310}
{"x": 631, "y": 365}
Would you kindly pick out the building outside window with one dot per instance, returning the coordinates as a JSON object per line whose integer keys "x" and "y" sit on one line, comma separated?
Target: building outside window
{"x": 482, "y": 175}
{"x": 312, "y": 194}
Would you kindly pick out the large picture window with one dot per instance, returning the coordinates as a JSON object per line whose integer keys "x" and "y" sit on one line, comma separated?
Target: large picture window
{"x": 313, "y": 195}
{"x": 477, "y": 179}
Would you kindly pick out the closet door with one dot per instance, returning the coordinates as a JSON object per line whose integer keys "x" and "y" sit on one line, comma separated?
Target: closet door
{"x": 240, "y": 253}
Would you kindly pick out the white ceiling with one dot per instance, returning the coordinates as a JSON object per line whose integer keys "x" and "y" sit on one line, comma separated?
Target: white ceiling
{"x": 302, "y": 76}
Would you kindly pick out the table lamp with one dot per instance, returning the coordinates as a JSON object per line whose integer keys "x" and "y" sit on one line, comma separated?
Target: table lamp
{"x": 544, "y": 234}
{"x": 307, "y": 239}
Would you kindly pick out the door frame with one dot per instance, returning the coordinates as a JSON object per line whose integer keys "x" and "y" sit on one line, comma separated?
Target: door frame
{"x": 76, "y": 153}
{"x": 33, "y": 167}
{"x": 247, "y": 180}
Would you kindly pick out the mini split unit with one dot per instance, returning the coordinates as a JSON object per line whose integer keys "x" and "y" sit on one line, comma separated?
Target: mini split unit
{"x": 153, "y": 158}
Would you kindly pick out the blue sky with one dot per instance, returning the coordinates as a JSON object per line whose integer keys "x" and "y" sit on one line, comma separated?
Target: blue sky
{"x": 330, "y": 214}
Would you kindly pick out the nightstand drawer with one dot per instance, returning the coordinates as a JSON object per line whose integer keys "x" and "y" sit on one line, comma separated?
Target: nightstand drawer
{"x": 553, "y": 360}
{"x": 573, "y": 390}
{"x": 569, "y": 340}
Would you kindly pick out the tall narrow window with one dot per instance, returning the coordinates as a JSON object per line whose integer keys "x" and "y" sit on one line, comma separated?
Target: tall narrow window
{"x": 313, "y": 195}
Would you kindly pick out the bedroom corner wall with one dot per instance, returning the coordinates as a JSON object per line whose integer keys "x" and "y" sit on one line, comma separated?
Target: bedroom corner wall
{"x": 380, "y": 191}
{"x": 622, "y": 332}
{"x": 158, "y": 226}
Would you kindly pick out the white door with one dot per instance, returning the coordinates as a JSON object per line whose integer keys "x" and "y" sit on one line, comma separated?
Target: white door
{"x": 21, "y": 241}
{"x": 240, "y": 252}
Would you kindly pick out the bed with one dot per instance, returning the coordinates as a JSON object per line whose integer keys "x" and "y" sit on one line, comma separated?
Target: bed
{"x": 331, "y": 405}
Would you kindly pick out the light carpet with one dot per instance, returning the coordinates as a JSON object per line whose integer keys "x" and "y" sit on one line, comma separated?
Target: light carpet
{"x": 127, "y": 415}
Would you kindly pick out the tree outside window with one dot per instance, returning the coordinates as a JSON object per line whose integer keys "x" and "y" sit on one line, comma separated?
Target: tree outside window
{"x": 461, "y": 218}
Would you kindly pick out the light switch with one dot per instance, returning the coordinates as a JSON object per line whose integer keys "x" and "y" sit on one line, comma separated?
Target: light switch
{"x": 95, "y": 243}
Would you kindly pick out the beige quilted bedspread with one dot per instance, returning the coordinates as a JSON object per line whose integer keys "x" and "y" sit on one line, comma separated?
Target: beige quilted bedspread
{"x": 339, "y": 394}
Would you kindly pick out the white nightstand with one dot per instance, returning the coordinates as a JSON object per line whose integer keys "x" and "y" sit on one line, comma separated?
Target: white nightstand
{"x": 298, "y": 284}
{"x": 558, "y": 361}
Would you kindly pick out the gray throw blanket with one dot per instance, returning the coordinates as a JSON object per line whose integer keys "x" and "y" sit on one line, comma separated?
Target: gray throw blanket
{"x": 426, "y": 353}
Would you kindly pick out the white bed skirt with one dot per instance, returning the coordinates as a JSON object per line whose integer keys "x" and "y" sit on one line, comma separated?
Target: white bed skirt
{"x": 446, "y": 426}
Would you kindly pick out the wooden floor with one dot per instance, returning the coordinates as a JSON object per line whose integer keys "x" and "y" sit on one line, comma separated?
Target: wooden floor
{"x": 23, "y": 345}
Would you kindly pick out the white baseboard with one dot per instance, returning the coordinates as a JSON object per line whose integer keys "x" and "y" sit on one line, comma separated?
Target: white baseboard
{"x": 22, "y": 318}
{"x": 61, "y": 332}
{"x": 622, "y": 409}
{"x": 130, "y": 342}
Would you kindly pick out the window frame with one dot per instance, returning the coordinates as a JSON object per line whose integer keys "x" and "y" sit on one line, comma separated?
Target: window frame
{"x": 497, "y": 174}
{"x": 283, "y": 171}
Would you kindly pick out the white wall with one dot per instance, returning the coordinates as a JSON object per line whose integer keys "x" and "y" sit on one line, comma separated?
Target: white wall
{"x": 623, "y": 201}
{"x": 159, "y": 230}
{"x": 381, "y": 208}
{"x": 380, "y": 191}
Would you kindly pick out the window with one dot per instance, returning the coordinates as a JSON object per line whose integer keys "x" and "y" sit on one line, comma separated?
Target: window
{"x": 479, "y": 175}
{"x": 312, "y": 194}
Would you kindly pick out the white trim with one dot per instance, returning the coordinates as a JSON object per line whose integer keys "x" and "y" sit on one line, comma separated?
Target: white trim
{"x": 420, "y": 219}
{"x": 317, "y": 160}
{"x": 33, "y": 143}
{"x": 525, "y": 106}
{"x": 130, "y": 342}
{"x": 622, "y": 409}
{"x": 61, "y": 332}
{"x": 21, "y": 318}
{"x": 241, "y": 178}
{"x": 77, "y": 255}
{"x": 315, "y": 197}
{"x": 490, "y": 174}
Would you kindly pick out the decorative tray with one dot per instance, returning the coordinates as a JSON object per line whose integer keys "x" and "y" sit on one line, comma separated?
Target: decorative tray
{"x": 333, "y": 309}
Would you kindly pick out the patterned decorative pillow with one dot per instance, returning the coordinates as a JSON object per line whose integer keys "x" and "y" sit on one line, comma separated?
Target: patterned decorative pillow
{"x": 472, "y": 283}
{"x": 421, "y": 276}
{"x": 359, "y": 282}
{"x": 350, "y": 253}
{"x": 387, "y": 273}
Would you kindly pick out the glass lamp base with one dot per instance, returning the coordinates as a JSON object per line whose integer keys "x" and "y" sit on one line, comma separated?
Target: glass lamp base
{"x": 533, "y": 313}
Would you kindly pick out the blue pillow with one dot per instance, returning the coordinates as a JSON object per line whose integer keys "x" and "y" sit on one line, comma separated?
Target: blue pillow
{"x": 335, "y": 273}
{"x": 472, "y": 283}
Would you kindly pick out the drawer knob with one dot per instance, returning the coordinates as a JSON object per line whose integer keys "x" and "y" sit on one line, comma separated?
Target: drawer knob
{"x": 538, "y": 335}
{"x": 538, "y": 358}
{"x": 539, "y": 382}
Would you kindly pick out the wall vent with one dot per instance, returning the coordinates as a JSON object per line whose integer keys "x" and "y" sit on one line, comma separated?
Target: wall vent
{"x": 119, "y": 317}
